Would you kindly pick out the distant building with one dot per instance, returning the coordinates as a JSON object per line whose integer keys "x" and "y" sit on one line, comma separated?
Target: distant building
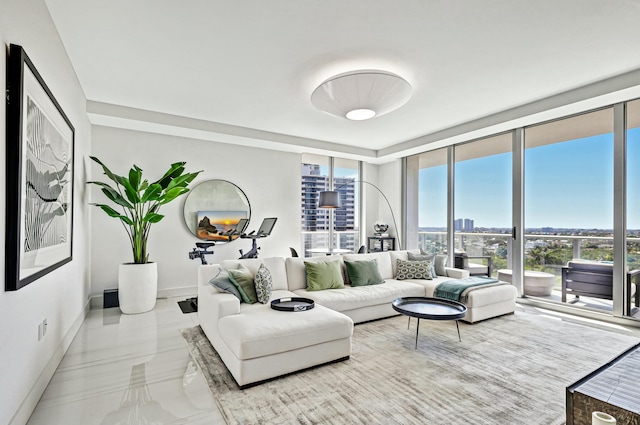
{"x": 315, "y": 219}
{"x": 468, "y": 225}
{"x": 463, "y": 225}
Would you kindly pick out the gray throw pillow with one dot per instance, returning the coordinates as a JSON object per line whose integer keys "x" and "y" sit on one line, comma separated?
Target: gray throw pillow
{"x": 263, "y": 283}
{"x": 440, "y": 263}
{"x": 414, "y": 270}
{"x": 423, "y": 256}
{"x": 222, "y": 282}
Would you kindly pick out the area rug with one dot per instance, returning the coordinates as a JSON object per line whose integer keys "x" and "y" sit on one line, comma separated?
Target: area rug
{"x": 508, "y": 370}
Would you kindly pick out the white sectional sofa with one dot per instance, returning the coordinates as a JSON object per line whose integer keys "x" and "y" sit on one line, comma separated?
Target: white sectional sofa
{"x": 257, "y": 343}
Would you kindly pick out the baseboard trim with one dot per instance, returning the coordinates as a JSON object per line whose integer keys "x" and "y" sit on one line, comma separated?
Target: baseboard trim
{"x": 22, "y": 415}
{"x": 183, "y": 291}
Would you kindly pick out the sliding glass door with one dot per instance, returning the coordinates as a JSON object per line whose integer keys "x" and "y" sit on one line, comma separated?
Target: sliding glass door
{"x": 568, "y": 205}
{"x": 482, "y": 207}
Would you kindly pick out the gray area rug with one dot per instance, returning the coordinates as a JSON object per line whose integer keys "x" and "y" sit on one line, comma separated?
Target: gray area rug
{"x": 508, "y": 370}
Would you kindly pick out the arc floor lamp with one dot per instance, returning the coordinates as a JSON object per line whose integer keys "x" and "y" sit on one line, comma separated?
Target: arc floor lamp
{"x": 331, "y": 199}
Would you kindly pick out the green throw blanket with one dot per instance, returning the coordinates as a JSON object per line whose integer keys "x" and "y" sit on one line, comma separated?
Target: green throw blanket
{"x": 452, "y": 289}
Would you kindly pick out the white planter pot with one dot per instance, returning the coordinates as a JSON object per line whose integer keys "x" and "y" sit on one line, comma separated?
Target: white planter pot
{"x": 137, "y": 287}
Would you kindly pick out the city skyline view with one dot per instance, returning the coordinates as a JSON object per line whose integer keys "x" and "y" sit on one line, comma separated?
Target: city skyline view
{"x": 567, "y": 185}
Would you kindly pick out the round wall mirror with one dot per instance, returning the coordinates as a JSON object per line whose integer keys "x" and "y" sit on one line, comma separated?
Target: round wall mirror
{"x": 217, "y": 210}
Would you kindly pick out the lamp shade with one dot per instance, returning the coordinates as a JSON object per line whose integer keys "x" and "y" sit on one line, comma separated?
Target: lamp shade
{"x": 360, "y": 95}
{"x": 329, "y": 199}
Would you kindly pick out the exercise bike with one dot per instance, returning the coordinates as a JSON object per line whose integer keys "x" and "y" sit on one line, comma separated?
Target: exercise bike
{"x": 201, "y": 249}
{"x": 237, "y": 231}
{"x": 263, "y": 231}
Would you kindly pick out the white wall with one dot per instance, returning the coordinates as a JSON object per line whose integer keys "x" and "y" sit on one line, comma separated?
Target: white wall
{"x": 26, "y": 365}
{"x": 390, "y": 179}
{"x": 270, "y": 179}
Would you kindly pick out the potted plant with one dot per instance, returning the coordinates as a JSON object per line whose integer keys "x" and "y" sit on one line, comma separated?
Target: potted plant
{"x": 140, "y": 202}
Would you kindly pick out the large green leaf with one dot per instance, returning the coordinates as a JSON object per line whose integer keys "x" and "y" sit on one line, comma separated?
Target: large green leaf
{"x": 172, "y": 194}
{"x": 113, "y": 213}
{"x": 152, "y": 193}
{"x": 116, "y": 178}
{"x": 115, "y": 196}
{"x": 135, "y": 175}
{"x": 184, "y": 180}
{"x": 152, "y": 217}
{"x": 131, "y": 193}
{"x": 174, "y": 171}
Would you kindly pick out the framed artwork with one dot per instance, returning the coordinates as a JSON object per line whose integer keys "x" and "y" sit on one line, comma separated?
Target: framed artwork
{"x": 216, "y": 225}
{"x": 40, "y": 142}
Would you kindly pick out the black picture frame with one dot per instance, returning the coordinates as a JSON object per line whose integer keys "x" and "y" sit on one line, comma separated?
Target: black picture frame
{"x": 40, "y": 176}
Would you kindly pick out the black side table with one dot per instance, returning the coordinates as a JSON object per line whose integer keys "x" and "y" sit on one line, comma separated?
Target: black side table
{"x": 381, "y": 243}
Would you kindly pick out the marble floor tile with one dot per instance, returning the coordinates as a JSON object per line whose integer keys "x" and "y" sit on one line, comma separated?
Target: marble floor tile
{"x": 129, "y": 369}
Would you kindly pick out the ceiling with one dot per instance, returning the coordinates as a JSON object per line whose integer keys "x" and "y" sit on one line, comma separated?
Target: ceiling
{"x": 243, "y": 71}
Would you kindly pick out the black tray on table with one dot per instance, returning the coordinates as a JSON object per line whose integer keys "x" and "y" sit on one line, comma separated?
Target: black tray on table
{"x": 292, "y": 304}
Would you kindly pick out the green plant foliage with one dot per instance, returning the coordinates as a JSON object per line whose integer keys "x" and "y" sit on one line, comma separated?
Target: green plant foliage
{"x": 140, "y": 201}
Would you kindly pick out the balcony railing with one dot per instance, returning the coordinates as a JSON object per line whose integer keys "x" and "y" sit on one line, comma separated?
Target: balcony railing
{"x": 542, "y": 252}
{"x": 345, "y": 239}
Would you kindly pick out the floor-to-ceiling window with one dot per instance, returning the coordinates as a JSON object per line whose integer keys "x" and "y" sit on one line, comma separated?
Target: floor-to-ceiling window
{"x": 432, "y": 201}
{"x": 482, "y": 206}
{"x": 579, "y": 201}
{"x": 320, "y": 173}
{"x": 346, "y": 218}
{"x": 569, "y": 198}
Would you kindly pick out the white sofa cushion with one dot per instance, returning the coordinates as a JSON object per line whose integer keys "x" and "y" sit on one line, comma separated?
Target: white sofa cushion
{"x": 261, "y": 331}
{"x": 297, "y": 272}
{"x": 275, "y": 265}
{"x": 399, "y": 255}
{"x": 351, "y": 298}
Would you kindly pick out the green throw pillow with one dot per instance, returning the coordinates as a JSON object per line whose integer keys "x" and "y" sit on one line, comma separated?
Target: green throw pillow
{"x": 323, "y": 275}
{"x": 414, "y": 270}
{"x": 224, "y": 284}
{"x": 243, "y": 279}
{"x": 423, "y": 256}
{"x": 363, "y": 273}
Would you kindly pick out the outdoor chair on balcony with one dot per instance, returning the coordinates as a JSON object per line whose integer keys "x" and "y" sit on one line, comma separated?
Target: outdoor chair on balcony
{"x": 594, "y": 279}
{"x": 461, "y": 261}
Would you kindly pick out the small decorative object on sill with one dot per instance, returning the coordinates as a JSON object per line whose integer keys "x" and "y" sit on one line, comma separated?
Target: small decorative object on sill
{"x": 381, "y": 229}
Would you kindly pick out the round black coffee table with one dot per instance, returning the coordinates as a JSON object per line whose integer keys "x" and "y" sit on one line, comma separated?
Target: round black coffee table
{"x": 430, "y": 308}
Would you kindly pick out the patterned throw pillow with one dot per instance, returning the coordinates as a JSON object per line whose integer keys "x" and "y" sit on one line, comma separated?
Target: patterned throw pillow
{"x": 423, "y": 256}
{"x": 263, "y": 284}
{"x": 414, "y": 270}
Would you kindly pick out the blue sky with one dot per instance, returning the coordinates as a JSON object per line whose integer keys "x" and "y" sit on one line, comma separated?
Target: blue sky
{"x": 567, "y": 185}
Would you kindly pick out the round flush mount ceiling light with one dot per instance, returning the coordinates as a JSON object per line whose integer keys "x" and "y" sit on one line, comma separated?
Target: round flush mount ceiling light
{"x": 361, "y": 95}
